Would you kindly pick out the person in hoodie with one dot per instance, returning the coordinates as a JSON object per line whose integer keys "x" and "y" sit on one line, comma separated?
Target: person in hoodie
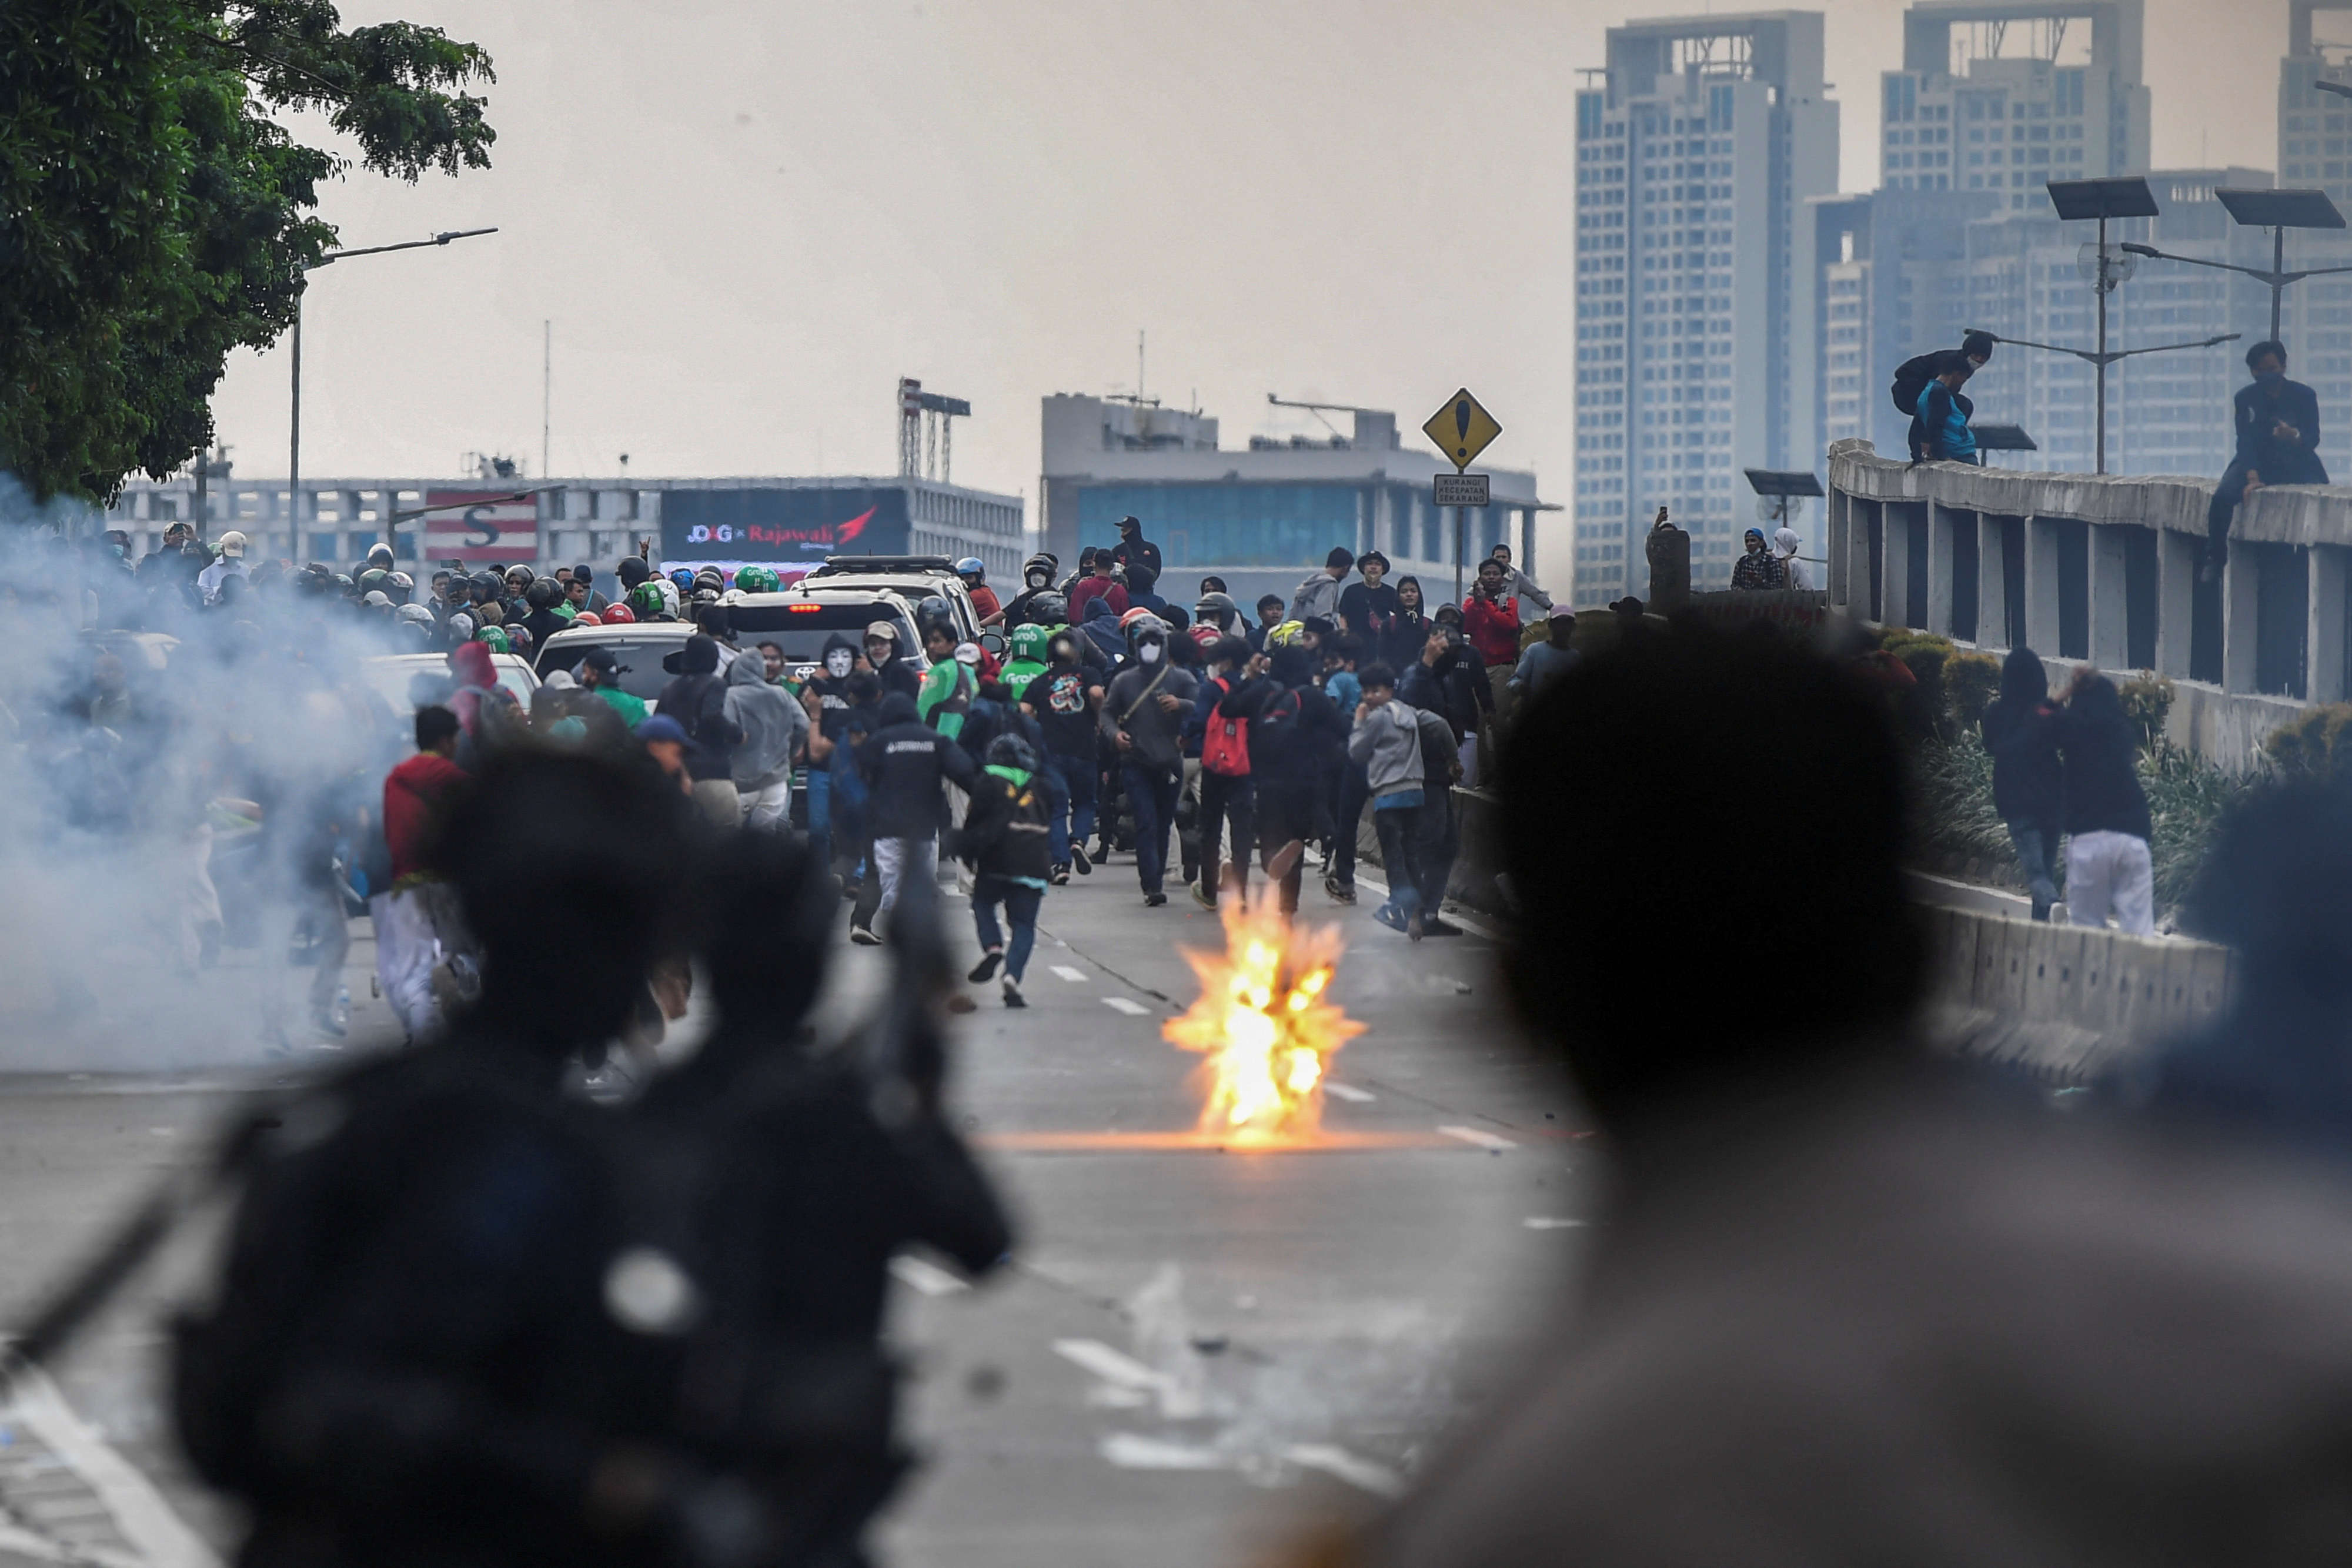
{"x": 825, "y": 699}
{"x": 903, "y": 762}
{"x": 410, "y": 911}
{"x": 696, "y": 698}
{"x": 1386, "y": 743}
{"x": 546, "y": 615}
{"x": 1004, "y": 840}
{"x": 949, "y": 684}
{"x": 2107, "y": 863}
{"x": 1063, "y": 700}
{"x": 485, "y": 709}
{"x": 1294, "y": 732}
{"x": 1143, "y": 714}
{"x": 890, "y": 667}
{"x": 774, "y": 729}
{"x": 1099, "y": 626}
{"x": 2020, "y": 730}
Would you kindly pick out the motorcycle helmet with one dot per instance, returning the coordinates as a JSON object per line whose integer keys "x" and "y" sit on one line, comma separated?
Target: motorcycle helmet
{"x": 935, "y": 613}
{"x": 376, "y": 599}
{"x": 380, "y": 556}
{"x": 487, "y": 587}
{"x": 682, "y": 580}
{"x": 588, "y": 618}
{"x": 1217, "y": 609}
{"x": 345, "y": 586}
{"x": 646, "y": 600}
{"x": 758, "y": 579}
{"x": 415, "y": 615}
{"x": 495, "y": 637}
{"x": 973, "y": 569}
{"x": 402, "y": 585}
{"x": 375, "y": 580}
{"x": 1050, "y": 610}
{"x": 543, "y": 594}
{"x": 1140, "y": 613}
{"x": 1037, "y": 571}
{"x": 619, "y": 615}
{"x": 710, "y": 577}
{"x": 1012, "y": 751}
{"x": 1289, "y": 634}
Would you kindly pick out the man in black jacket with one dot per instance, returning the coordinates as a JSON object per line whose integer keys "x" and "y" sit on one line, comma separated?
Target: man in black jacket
{"x": 1004, "y": 839}
{"x": 903, "y": 763}
{"x": 2020, "y": 730}
{"x": 1294, "y": 731}
{"x": 2277, "y": 422}
{"x": 1143, "y": 718}
{"x": 696, "y": 698}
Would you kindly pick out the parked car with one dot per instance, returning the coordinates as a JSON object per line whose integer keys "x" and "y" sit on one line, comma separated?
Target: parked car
{"x": 802, "y": 618}
{"x": 639, "y": 646}
{"x": 393, "y": 677}
{"x": 913, "y": 578}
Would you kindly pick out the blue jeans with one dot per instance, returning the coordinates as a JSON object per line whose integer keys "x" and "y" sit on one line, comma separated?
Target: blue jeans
{"x": 1151, "y": 795}
{"x": 1400, "y": 831}
{"x": 2037, "y": 855}
{"x": 1020, "y": 900}
{"x": 1435, "y": 847}
{"x": 1077, "y": 777}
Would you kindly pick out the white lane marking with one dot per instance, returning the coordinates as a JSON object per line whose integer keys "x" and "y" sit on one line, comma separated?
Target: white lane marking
{"x": 1473, "y": 1135}
{"x": 1349, "y": 1093}
{"x": 1548, "y": 1222}
{"x": 1076, "y": 977}
{"x": 1115, "y": 1367}
{"x": 145, "y": 1519}
{"x": 1355, "y": 1470}
{"x": 1133, "y": 1009}
{"x": 927, "y": 1278}
{"x": 1130, "y": 1451}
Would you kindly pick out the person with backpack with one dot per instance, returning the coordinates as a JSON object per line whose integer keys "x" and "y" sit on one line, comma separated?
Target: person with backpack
{"x": 1142, "y": 718}
{"x": 1294, "y": 730}
{"x": 1226, "y": 796}
{"x": 1913, "y": 375}
{"x": 1004, "y": 840}
{"x": 1063, "y": 701}
{"x": 1940, "y": 434}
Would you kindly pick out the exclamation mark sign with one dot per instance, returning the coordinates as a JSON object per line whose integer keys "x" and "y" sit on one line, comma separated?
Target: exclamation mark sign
{"x": 1462, "y": 428}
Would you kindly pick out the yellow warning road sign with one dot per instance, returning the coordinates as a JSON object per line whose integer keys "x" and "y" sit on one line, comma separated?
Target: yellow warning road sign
{"x": 1462, "y": 429}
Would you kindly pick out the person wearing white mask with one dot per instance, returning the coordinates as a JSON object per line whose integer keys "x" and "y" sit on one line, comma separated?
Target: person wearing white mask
{"x": 230, "y": 564}
{"x": 1795, "y": 573}
{"x": 1143, "y": 715}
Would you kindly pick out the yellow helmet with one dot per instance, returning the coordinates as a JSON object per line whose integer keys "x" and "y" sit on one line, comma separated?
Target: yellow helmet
{"x": 1289, "y": 634}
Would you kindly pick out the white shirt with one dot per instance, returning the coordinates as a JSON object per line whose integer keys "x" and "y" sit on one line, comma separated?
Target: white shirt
{"x": 209, "y": 581}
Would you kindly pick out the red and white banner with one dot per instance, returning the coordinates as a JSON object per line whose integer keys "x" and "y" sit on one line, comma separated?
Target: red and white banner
{"x": 489, "y": 527}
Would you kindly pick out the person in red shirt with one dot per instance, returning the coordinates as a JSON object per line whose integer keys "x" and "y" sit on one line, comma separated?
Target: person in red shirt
{"x": 975, "y": 572}
{"x": 1490, "y": 624}
{"x": 1099, "y": 586}
{"x": 408, "y": 932}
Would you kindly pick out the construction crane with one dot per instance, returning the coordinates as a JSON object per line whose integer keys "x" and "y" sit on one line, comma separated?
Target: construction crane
{"x": 926, "y": 437}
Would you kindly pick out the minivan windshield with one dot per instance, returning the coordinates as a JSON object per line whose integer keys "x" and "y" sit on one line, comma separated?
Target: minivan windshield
{"x": 800, "y": 630}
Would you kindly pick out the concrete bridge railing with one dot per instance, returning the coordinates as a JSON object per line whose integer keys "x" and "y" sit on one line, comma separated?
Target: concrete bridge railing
{"x": 2103, "y": 570}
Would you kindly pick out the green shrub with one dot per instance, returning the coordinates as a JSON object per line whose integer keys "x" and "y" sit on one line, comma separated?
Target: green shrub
{"x": 1970, "y": 683}
{"x": 2188, "y": 800}
{"x": 2148, "y": 699}
{"x": 1925, "y": 712}
{"x": 2313, "y": 745}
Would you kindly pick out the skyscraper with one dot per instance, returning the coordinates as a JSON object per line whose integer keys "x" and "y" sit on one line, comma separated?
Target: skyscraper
{"x": 1697, "y": 150}
{"x": 2313, "y": 127}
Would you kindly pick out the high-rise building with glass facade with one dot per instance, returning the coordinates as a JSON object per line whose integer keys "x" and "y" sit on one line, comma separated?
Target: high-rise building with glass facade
{"x": 1699, "y": 147}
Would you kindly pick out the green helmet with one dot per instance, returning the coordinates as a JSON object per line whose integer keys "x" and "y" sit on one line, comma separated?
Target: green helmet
{"x": 1029, "y": 642}
{"x": 646, "y": 601}
{"x": 758, "y": 579}
{"x": 496, "y": 636}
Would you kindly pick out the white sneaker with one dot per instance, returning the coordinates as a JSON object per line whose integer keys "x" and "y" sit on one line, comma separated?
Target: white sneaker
{"x": 1013, "y": 997}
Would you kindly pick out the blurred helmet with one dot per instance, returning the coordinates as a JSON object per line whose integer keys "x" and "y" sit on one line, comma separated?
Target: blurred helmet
{"x": 488, "y": 585}
{"x": 495, "y": 637}
{"x": 379, "y": 556}
{"x": 935, "y": 614}
{"x": 518, "y": 638}
{"x": 1217, "y": 607}
{"x": 375, "y": 580}
{"x": 972, "y": 568}
{"x": 590, "y": 618}
{"x": 619, "y": 615}
{"x": 710, "y": 577}
{"x": 1029, "y": 643}
{"x": 758, "y": 579}
{"x": 1050, "y": 610}
{"x": 414, "y": 614}
{"x": 683, "y": 579}
{"x": 522, "y": 572}
{"x": 1012, "y": 751}
{"x": 461, "y": 627}
{"x": 543, "y": 594}
{"x": 403, "y": 582}
{"x": 1139, "y": 613}
{"x": 646, "y": 601}
{"x": 1038, "y": 571}
{"x": 376, "y": 599}
{"x": 1289, "y": 634}
{"x": 345, "y": 585}
{"x": 232, "y": 544}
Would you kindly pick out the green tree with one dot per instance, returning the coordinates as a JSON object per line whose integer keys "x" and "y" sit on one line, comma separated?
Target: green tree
{"x": 153, "y": 217}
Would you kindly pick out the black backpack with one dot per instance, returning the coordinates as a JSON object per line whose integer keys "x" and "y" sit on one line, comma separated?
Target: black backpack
{"x": 1911, "y": 379}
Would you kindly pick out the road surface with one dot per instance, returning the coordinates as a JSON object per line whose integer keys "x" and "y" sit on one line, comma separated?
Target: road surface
{"x": 1198, "y": 1357}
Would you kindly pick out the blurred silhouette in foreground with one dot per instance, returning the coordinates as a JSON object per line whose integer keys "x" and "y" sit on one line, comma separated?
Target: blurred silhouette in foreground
{"x": 1845, "y": 1308}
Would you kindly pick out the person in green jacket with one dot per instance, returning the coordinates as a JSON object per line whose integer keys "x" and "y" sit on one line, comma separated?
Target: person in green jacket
{"x": 1028, "y": 661}
{"x": 950, "y": 685}
{"x": 600, "y": 672}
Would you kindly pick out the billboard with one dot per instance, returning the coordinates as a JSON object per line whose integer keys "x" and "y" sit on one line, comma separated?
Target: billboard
{"x": 789, "y": 528}
{"x": 488, "y": 527}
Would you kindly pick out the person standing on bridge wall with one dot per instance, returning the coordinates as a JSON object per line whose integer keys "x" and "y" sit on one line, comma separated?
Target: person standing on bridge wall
{"x": 2107, "y": 825}
{"x": 2020, "y": 730}
{"x": 2277, "y": 422}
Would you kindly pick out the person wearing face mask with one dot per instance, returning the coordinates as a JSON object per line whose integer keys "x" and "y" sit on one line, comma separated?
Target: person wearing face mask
{"x": 1036, "y": 582}
{"x": 1063, "y": 700}
{"x": 1143, "y": 715}
{"x": 2277, "y": 422}
{"x": 826, "y": 701}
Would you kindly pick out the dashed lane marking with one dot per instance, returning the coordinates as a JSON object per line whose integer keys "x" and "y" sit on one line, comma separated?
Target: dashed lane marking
{"x": 1485, "y": 1140}
{"x": 1355, "y": 1470}
{"x": 1127, "y": 1005}
{"x": 1550, "y": 1222}
{"x": 140, "y": 1517}
{"x": 1074, "y": 976}
{"x": 1349, "y": 1093}
{"x": 928, "y": 1278}
{"x": 1115, "y": 1367}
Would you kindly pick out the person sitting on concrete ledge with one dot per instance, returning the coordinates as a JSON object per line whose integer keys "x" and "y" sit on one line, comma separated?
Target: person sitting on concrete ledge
{"x": 2277, "y": 422}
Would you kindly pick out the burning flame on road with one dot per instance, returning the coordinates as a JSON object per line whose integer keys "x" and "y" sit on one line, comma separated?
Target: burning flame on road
{"x": 1261, "y": 1021}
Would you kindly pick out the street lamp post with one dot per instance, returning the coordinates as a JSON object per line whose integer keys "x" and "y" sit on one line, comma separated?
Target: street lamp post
{"x": 2277, "y": 211}
{"x": 294, "y": 435}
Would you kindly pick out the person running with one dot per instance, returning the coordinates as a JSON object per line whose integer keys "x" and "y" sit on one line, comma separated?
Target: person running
{"x": 903, "y": 762}
{"x": 406, "y": 913}
{"x": 1003, "y": 839}
{"x": 1293, "y": 732}
{"x": 696, "y": 698}
{"x": 1226, "y": 797}
{"x": 2020, "y": 730}
{"x": 1064, "y": 701}
{"x": 2108, "y": 824}
{"x": 774, "y": 730}
{"x": 1142, "y": 716}
{"x": 826, "y": 700}
{"x": 1386, "y": 743}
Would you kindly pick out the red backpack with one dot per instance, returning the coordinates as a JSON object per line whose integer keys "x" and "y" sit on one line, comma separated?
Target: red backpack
{"x": 1225, "y": 744}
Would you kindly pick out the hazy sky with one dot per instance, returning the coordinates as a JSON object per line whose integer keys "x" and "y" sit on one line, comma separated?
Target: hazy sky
{"x": 747, "y": 220}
